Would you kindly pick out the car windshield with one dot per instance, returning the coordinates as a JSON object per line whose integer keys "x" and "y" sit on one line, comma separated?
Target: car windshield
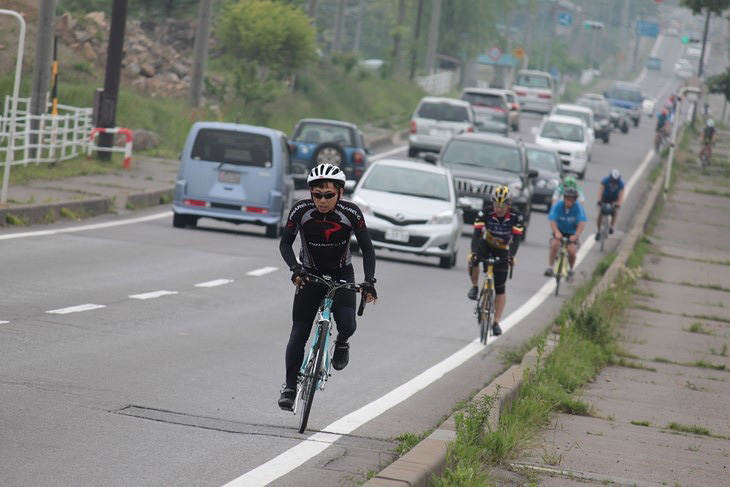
{"x": 407, "y": 181}
{"x": 318, "y": 133}
{"x": 563, "y": 131}
{"x": 533, "y": 81}
{"x": 600, "y": 109}
{"x": 570, "y": 113}
{"x": 232, "y": 147}
{"x": 625, "y": 94}
{"x": 540, "y": 159}
{"x": 484, "y": 100}
{"x": 482, "y": 155}
{"x": 444, "y": 111}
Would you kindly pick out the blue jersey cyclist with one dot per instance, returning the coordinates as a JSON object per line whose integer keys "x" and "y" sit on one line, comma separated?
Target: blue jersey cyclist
{"x": 612, "y": 192}
{"x": 567, "y": 219}
{"x": 497, "y": 232}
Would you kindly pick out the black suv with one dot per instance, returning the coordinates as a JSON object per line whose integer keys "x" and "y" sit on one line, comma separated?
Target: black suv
{"x": 481, "y": 162}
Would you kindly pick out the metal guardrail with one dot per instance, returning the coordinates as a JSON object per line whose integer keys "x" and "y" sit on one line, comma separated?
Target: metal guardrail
{"x": 44, "y": 138}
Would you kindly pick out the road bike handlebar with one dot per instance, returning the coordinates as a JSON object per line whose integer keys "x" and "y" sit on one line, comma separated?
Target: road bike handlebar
{"x": 496, "y": 260}
{"x": 334, "y": 286}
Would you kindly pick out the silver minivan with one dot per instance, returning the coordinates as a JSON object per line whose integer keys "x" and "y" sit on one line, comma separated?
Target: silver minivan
{"x": 235, "y": 173}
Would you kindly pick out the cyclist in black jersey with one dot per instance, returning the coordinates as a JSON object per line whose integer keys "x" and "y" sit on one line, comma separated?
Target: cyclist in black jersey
{"x": 324, "y": 223}
{"x": 497, "y": 232}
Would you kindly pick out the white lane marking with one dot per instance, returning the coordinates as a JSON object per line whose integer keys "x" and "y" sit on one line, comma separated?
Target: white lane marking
{"x": 654, "y": 50}
{"x": 318, "y": 442}
{"x": 262, "y": 271}
{"x": 75, "y": 309}
{"x": 4, "y": 322}
{"x": 382, "y": 155}
{"x": 81, "y": 228}
{"x": 153, "y": 294}
{"x": 214, "y": 283}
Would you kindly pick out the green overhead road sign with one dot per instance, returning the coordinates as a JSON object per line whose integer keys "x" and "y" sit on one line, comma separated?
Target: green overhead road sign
{"x": 592, "y": 25}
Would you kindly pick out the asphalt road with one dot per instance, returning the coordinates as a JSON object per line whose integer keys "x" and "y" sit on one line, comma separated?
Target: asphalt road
{"x": 169, "y": 372}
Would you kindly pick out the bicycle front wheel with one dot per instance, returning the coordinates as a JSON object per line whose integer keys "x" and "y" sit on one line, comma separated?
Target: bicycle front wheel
{"x": 482, "y": 316}
{"x": 490, "y": 313}
{"x": 309, "y": 383}
{"x": 558, "y": 273}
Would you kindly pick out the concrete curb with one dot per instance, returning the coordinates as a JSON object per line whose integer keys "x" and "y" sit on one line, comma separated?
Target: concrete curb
{"x": 46, "y": 213}
{"x": 428, "y": 458}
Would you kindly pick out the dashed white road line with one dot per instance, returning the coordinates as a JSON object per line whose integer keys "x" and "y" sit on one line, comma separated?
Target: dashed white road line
{"x": 262, "y": 271}
{"x": 75, "y": 309}
{"x": 214, "y": 283}
{"x": 4, "y": 322}
{"x": 153, "y": 294}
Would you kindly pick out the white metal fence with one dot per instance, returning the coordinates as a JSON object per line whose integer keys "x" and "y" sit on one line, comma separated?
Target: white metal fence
{"x": 439, "y": 83}
{"x": 54, "y": 137}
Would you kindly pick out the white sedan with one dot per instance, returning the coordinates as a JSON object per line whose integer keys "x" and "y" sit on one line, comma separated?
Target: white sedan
{"x": 411, "y": 207}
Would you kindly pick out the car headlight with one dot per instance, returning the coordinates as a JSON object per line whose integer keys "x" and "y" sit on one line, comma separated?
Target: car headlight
{"x": 516, "y": 188}
{"x": 443, "y": 218}
{"x": 580, "y": 155}
{"x": 553, "y": 183}
{"x": 364, "y": 206}
{"x": 541, "y": 183}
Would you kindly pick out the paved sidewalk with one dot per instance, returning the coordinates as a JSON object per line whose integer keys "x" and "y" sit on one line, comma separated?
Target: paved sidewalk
{"x": 665, "y": 421}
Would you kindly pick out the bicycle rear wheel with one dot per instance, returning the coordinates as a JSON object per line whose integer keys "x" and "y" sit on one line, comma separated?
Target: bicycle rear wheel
{"x": 482, "y": 316}
{"x": 490, "y": 313}
{"x": 309, "y": 383}
{"x": 558, "y": 273}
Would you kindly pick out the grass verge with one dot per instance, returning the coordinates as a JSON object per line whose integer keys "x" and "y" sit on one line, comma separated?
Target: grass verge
{"x": 587, "y": 343}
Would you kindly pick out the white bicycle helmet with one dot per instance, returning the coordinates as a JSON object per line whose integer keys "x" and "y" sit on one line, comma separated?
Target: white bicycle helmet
{"x": 615, "y": 174}
{"x": 710, "y": 122}
{"x": 326, "y": 172}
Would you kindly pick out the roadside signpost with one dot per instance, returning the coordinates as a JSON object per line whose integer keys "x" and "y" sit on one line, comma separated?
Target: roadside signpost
{"x": 565, "y": 18}
{"x": 494, "y": 53}
{"x": 646, "y": 28}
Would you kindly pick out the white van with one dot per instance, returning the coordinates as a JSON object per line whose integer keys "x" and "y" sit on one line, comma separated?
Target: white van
{"x": 535, "y": 90}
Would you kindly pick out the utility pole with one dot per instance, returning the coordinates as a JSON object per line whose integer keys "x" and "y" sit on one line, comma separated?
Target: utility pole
{"x": 397, "y": 35}
{"x": 358, "y": 26}
{"x": 42, "y": 67}
{"x": 337, "y": 43}
{"x": 700, "y": 69}
{"x": 416, "y": 33}
{"x": 200, "y": 52}
{"x": 108, "y": 105}
{"x": 635, "y": 58}
{"x": 433, "y": 37}
{"x": 312, "y": 10}
{"x": 551, "y": 31}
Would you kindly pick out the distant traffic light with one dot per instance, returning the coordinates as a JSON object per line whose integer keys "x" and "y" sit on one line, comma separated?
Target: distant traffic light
{"x": 690, "y": 40}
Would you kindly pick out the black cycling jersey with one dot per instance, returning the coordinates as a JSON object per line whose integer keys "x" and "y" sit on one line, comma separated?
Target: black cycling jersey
{"x": 708, "y": 134}
{"x": 499, "y": 233}
{"x": 325, "y": 237}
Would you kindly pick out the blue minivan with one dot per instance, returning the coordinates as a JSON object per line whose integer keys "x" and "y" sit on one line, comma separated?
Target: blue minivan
{"x": 626, "y": 98}
{"x": 235, "y": 173}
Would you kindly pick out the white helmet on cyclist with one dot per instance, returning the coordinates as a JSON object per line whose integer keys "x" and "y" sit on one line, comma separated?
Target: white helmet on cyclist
{"x": 327, "y": 172}
{"x": 710, "y": 122}
{"x": 615, "y": 174}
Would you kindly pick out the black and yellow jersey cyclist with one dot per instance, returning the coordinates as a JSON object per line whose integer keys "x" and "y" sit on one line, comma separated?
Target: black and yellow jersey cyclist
{"x": 498, "y": 230}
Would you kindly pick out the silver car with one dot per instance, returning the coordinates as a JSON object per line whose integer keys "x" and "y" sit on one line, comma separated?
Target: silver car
{"x": 435, "y": 120}
{"x": 411, "y": 207}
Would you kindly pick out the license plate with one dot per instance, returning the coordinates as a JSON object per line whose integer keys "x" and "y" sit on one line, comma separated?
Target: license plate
{"x": 441, "y": 133}
{"x": 396, "y": 235}
{"x": 475, "y": 203}
{"x": 229, "y": 177}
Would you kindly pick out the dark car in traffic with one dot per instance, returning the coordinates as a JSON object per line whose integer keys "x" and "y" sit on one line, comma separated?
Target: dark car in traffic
{"x": 601, "y": 117}
{"x": 480, "y": 163}
{"x": 319, "y": 141}
{"x": 549, "y": 173}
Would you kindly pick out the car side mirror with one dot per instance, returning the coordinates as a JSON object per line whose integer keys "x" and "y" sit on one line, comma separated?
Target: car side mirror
{"x": 479, "y": 124}
{"x": 350, "y": 186}
{"x": 532, "y": 173}
{"x": 368, "y": 150}
{"x": 430, "y": 157}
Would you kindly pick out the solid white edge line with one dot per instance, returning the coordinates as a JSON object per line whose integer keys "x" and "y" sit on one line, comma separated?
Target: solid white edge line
{"x": 388, "y": 153}
{"x": 4, "y": 322}
{"x": 262, "y": 271}
{"x": 82, "y": 228}
{"x": 214, "y": 283}
{"x": 75, "y": 309}
{"x": 317, "y": 443}
{"x": 153, "y": 294}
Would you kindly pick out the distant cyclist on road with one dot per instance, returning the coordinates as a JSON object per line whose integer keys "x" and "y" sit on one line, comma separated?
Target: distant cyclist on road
{"x": 662, "y": 124}
{"x": 568, "y": 182}
{"x": 325, "y": 223}
{"x": 708, "y": 134}
{"x": 612, "y": 191}
{"x": 498, "y": 230}
{"x": 567, "y": 219}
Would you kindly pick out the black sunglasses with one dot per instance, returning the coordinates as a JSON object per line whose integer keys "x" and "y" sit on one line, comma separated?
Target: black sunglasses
{"x": 327, "y": 196}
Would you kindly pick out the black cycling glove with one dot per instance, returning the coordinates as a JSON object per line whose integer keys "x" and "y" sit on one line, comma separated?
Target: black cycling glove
{"x": 300, "y": 272}
{"x": 368, "y": 287}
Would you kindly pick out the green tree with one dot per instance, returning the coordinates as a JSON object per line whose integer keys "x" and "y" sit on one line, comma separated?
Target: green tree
{"x": 714, "y": 6}
{"x": 720, "y": 84}
{"x": 276, "y": 36}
